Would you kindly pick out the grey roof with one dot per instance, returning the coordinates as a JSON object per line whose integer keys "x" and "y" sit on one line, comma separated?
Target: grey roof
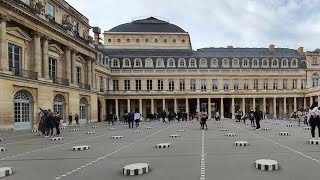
{"x": 150, "y": 24}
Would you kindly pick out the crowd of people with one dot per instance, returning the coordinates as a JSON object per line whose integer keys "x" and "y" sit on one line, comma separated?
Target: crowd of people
{"x": 49, "y": 120}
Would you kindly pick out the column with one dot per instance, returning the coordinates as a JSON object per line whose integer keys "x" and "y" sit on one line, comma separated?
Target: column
{"x": 117, "y": 108}
{"x": 152, "y": 106}
{"x": 221, "y": 109}
{"x": 311, "y": 101}
{"x": 198, "y": 105}
{"x": 244, "y": 105}
{"x": 187, "y": 105}
{"x": 74, "y": 67}
{"x": 285, "y": 107}
{"x": 3, "y": 42}
{"x": 37, "y": 54}
{"x": 254, "y": 103}
{"x": 264, "y": 105}
{"x": 164, "y": 104}
{"x": 175, "y": 105}
{"x": 274, "y": 108}
{"x": 295, "y": 104}
{"x": 140, "y": 106}
{"x": 233, "y": 108}
{"x": 68, "y": 64}
{"x": 304, "y": 103}
{"x": 209, "y": 108}
{"x": 93, "y": 74}
{"x": 89, "y": 72}
{"x": 128, "y": 105}
{"x": 45, "y": 57}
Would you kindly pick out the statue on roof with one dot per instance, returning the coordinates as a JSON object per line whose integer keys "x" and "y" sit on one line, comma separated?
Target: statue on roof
{"x": 66, "y": 22}
{"x": 37, "y": 7}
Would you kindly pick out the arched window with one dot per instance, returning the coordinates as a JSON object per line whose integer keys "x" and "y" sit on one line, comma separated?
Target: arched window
{"x": 58, "y": 105}
{"x": 225, "y": 63}
{"x": 137, "y": 62}
{"x": 149, "y": 63}
{"x": 160, "y": 62}
{"x": 275, "y": 63}
{"x": 115, "y": 62}
{"x": 214, "y": 63}
{"x": 203, "y": 63}
{"x": 265, "y": 63}
{"x": 192, "y": 62}
{"x": 126, "y": 62}
{"x": 255, "y": 63}
{"x": 22, "y": 110}
{"x": 294, "y": 63}
{"x": 171, "y": 63}
{"x": 284, "y": 63}
{"x": 83, "y": 111}
{"x": 235, "y": 62}
{"x": 245, "y": 63}
{"x": 182, "y": 62}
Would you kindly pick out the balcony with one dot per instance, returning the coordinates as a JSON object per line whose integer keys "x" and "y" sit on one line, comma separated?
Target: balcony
{"x": 60, "y": 81}
{"x": 24, "y": 73}
{"x": 84, "y": 86}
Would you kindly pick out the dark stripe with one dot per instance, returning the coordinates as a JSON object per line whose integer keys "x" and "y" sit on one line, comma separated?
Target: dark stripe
{"x": 273, "y": 167}
{"x": 136, "y": 172}
{"x": 259, "y": 166}
{"x": 7, "y": 172}
{"x": 128, "y": 172}
{"x": 144, "y": 170}
{"x": 266, "y": 167}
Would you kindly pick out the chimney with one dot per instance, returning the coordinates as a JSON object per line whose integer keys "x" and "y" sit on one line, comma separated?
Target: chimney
{"x": 230, "y": 46}
{"x": 96, "y": 32}
{"x": 300, "y": 50}
{"x": 271, "y": 48}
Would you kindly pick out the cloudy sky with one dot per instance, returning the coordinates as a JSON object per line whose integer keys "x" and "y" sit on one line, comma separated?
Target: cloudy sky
{"x": 219, "y": 23}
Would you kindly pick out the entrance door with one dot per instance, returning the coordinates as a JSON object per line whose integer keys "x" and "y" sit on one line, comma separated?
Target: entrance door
{"x": 22, "y": 111}
{"x": 99, "y": 111}
{"x": 83, "y": 111}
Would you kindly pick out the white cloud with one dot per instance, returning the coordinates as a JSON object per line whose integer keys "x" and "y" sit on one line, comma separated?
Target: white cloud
{"x": 216, "y": 23}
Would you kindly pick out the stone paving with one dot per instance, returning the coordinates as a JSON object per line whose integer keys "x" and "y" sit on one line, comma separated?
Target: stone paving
{"x": 194, "y": 154}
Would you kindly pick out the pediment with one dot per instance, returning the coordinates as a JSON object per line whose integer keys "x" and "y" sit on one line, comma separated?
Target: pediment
{"x": 17, "y": 32}
{"x": 55, "y": 48}
{"x": 81, "y": 59}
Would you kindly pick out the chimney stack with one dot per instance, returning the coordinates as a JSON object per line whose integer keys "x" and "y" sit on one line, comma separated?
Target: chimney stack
{"x": 300, "y": 50}
{"x": 271, "y": 48}
{"x": 96, "y": 32}
{"x": 230, "y": 46}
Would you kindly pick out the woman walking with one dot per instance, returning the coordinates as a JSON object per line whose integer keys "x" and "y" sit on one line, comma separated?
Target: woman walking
{"x": 70, "y": 119}
{"x": 314, "y": 119}
{"x": 76, "y": 118}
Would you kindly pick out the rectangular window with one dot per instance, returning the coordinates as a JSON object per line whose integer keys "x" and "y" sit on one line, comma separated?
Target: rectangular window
{"x": 285, "y": 84}
{"x": 138, "y": 85}
{"x": 160, "y": 85}
{"x": 193, "y": 86}
{"x": 116, "y": 85}
{"x": 75, "y": 26}
{"x": 314, "y": 61}
{"x": 214, "y": 84}
{"x": 255, "y": 84}
{"x": 246, "y": 84}
{"x": 149, "y": 85}
{"x": 225, "y": 84}
{"x": 303, "y": 83}
{"x": 50, "y": 11}
{"x": 78, "y": 75}
{"x": 14, "y": 56}
{"x": 294, "y": 84}
{"x": 265, "y": 84}
{"x": 182, "y": 84}
{"x": 52, "y": 67}
{"x": 236, "y": 84}
{"x": 101, "y": 84}
{"x": 127, "y": 85}
{"x": 275, "y": 84}
{"x": 171, "y": 85}
{"x": 203, "y": 85}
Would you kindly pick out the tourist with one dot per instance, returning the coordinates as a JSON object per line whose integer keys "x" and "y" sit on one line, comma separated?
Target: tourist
{"x": 57, "y": 119}
{"x": 50, "y": 123}
{"x": 163, "y": 116}
{"x": 257, "y": 116}
{"x": 76, "y": 118}
{"x": 251, "y": 117}
{"x": 305, "y": 115}
{"x": 110, "y": 118}
{"x": 217, "y": 117}
{"x": 204, "y": 117}
{"x": 130, "y": 119}
{"x": 314, "y": 119}
{"x": 70, "y": 119}
{"x": 43, "y": 123}
{"x": 137, "y": 117}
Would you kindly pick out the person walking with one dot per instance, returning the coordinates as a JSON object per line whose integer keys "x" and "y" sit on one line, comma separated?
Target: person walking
{"x": 251, "y": 117}
{"x": 57, "y": 119}
{"x": 70, "y": 119}
{"x": 314, "y": 119}
{"x": 163, "y": 116}
{"x": 76, "y": 118}
{"x": 110, "y": 118}
{"x": 50, "y": 123}
{"x": 257, "y": 116}
{"x": 43, "y": 114}
{"x": 217, "y": 117}
{"x": 204, "y": 117}
{"x": 130, "y": 119}
{"x": 137, "y": 117}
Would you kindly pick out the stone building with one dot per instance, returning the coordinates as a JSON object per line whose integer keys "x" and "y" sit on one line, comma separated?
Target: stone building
{"x": 48, "y": 60}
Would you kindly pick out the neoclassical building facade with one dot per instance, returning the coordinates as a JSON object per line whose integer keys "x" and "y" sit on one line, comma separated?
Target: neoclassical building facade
{"x": 48, "y": 60}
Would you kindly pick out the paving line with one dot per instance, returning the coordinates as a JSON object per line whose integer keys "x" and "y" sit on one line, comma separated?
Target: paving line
{"x": 59, "y": 145}
{"x": 202, "y": 162}
{"x": 105, "y": 156}
{"x": 295, "y": 151}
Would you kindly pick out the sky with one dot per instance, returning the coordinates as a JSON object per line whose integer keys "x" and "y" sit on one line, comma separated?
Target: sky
{"x": 219, "y": 23}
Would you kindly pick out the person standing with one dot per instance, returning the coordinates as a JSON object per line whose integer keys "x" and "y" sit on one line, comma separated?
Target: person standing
{"x": 314, "y": 119}
{"x": 204, "y": 117}
{"x": 70, "y": 119}
{"x": 251, "y": 117}
{"x": 110, "y": 118}
{"x": 76, "y": 118}
{"x": 257, "y": 116}
{"x": 137, "y": 117}
{"x": 57, "y": 119}
{"x": 50, "y": 123}
{"x": 130, "y": 119}
{"x": 217, "y": 117}
{"x": 163, "y": 116}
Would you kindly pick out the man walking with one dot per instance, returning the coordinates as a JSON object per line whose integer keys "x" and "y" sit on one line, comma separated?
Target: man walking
{"x": 137, "y": 117}
{"x": 110, "y": 118}
{"x": 130, "y": 119}
{"x": 257, "y": 116}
